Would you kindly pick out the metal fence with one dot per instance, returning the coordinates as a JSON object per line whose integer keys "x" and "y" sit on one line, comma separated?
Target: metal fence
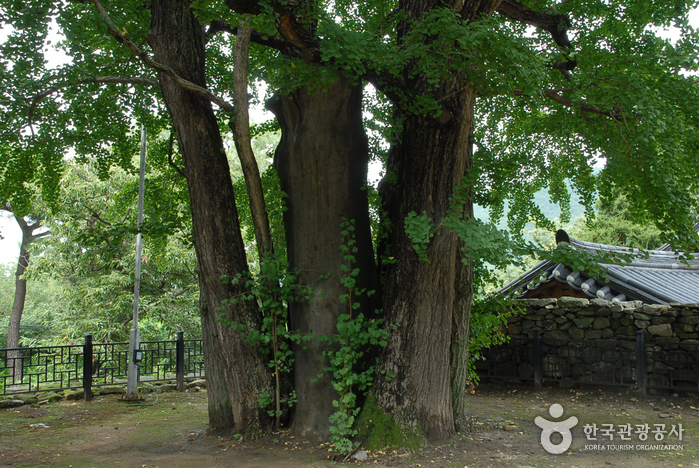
{"x": 24, "y": 370}
{"x": 624, "y": 363}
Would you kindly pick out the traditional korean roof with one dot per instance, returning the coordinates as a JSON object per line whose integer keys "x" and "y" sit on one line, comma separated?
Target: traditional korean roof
{"x": 661, "y": 277}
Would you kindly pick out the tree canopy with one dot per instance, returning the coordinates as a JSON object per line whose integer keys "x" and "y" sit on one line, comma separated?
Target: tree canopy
{"x": 587, "y": 81}
{"x": 474, "y": 101}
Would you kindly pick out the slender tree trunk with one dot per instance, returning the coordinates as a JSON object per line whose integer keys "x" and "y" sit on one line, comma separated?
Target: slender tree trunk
{"x": 236, "y": 371}
{"x": 322, "y": 165}
{"x": 459, "y": 341}
{"x": 18, "y": 307}
{"x": 28, "y": 236}
{"x": 241, "y": 131}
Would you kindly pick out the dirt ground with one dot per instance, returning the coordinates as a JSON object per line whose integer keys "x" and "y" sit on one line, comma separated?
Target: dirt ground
{"x": 172, "y": 432}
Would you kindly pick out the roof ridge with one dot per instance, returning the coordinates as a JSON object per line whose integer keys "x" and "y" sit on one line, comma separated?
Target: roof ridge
{"x": 665, "y": 254}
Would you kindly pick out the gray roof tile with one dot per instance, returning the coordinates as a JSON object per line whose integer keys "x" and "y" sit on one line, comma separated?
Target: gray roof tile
{"x": 657, "y": 277}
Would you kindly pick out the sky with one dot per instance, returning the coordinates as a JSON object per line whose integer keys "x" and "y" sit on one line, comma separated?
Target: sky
{"x": 12, "y": 235}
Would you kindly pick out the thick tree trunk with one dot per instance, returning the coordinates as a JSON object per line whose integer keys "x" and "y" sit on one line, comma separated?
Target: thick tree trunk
{"x": 235, "y": 370}
{"x": 322, "y": 165}
{"x": 430, "y": 301}
{"x": 421, "y": 296}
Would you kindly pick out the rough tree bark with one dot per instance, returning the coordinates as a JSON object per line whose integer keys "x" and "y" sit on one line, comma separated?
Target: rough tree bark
{"x": 428, "y": 164}
{"x": 236, "y": 371}
{"x": 460, "y": 336}
{"x": 421, "y": 296}
{"x": 322, "y": 165}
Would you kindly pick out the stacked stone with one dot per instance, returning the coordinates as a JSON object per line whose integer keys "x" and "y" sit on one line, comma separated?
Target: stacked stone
{"x": 579, "y": 318}
{"x": 41, "y": 398}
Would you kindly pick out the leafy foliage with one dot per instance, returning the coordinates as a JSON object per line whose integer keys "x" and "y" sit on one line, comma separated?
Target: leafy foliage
{"x": 352, "y": 372}
{"x": 614, "y": 225}
{"x": 620, "y": 95}
{"x": 274, "y": 287}
{"x": 419, "y": 230}
{"x": 40, "y": 308}
{"x": 487, "y": 327}
{"x": 274, "y": 202}
{"x": 51, "y": 112}
{"x": 627, "y": 103}
{"x": 91, "y": 255}
{"x": 525, "y": 140}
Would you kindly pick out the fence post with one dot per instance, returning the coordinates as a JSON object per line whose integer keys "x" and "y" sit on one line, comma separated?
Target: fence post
{"x": 538, "y": 374}
{"x": 641, "y": 369}
{"x": 179, "y": 351}
{"x": 87, "y": 368}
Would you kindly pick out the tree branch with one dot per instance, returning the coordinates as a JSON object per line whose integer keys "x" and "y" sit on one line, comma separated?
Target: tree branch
{"x": 554, "y": 94}
{"x": 124, "y": 80}
{"x": 179, "y": 81}
{"x": 274, "y": 42}
{"x": 95, "y": 215}
{"x": 172, "y": 296}
{"x": 28, "y": 235}
{"x": 92, "y": 226}
{"x": 22, "y": 224}
{"x": 556, "y": 25}
{"x": 294, "y": 31}
{"x": 170, "y": 161}
{"x": 35, "y": 225}
{"x": 34, "y": 103}
{"x": 97, "y": 79}
{"x": 40, "y": 235}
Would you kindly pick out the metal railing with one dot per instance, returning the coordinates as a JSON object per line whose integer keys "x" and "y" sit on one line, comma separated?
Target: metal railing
{"x": 623, "y": 363}
{"x": 25, "y": 370}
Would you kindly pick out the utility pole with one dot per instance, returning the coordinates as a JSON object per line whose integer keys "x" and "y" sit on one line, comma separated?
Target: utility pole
{"x": 134, "y": 344}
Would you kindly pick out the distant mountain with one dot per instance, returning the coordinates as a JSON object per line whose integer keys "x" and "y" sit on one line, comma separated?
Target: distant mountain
{"x": 542, "y": 198}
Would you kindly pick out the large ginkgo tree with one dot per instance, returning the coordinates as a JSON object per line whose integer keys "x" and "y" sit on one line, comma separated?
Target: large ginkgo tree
{"x": 477, "y": 100}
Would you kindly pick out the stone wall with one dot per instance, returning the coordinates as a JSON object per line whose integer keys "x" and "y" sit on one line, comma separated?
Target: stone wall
{"x": 595, "y": 343}
{"x": 577, "y": 318}
{"x": 49, "y": 396}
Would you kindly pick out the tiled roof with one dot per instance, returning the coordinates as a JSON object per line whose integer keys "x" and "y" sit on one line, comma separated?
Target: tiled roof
{"x": 661, "y": 277}
{"x": 668, "y": 247}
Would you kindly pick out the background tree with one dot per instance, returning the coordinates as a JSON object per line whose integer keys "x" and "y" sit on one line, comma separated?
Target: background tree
{"x": 92, "y": 254}
{"x": 39, "y": 308}
{"x": 32, "y": 230}
{"x": 614, "y": 224}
